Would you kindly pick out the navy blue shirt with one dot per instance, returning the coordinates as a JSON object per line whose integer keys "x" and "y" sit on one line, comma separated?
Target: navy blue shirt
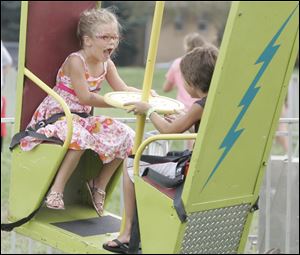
{"x": 200, "y": 102}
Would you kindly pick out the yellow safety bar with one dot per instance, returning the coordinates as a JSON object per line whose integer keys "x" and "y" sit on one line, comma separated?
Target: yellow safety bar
{"x": 65, "y": 107}
{"x": 151, "y": 139}
{"x": 147, "y": 83}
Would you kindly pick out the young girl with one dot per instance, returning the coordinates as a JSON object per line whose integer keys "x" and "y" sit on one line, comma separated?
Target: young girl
{"x": 197, "y": 69}
{"x": 78, "y": 80}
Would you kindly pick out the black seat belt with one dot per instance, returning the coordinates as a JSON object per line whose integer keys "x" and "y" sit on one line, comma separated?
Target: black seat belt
{"x": 42, "y": 123}
{"x": 16, "y": 140}
{"x": 10, "y": 226}
{"x": 135, "y": 237}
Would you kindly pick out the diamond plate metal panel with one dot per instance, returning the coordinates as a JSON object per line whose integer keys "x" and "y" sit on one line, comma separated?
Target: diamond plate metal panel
{"x": 216, "y": 231}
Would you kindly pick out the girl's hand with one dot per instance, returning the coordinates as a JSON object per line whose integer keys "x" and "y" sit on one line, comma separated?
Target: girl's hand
{"x": 153, "y": 93}
{"x": 138, "y": 107}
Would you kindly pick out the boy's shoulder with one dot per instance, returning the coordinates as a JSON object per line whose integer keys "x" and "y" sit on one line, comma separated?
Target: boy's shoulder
{"x": 201, "y": 101}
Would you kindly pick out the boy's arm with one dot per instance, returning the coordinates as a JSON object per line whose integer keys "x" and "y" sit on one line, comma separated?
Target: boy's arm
{"x": 179, "y": 125}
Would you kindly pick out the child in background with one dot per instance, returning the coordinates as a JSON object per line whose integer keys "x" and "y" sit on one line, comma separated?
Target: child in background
{"x": 197, "y": 69}
{"x": 78, "y": 80}
{"x": 174, "y": 77}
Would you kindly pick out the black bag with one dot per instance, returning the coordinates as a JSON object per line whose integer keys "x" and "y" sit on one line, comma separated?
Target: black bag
{"x": 182, "y": 160}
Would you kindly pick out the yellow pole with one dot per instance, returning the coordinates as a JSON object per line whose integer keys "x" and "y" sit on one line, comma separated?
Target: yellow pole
{"x": 21, "y": 64}
{"x": 98, "y": 4}
{"x": 57, "y": 97}
{"x": 148, "y": 77}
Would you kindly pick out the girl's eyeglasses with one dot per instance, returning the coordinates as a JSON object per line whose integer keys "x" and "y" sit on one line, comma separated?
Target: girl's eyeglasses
{"x": 107, "y": 38}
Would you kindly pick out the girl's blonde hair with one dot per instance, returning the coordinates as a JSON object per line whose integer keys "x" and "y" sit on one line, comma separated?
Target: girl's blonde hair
{"x": 192, "y": 41}
{"x": 92, "y": 18}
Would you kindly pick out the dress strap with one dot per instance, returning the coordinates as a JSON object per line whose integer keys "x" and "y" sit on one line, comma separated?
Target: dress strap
{"x": 82, "y": 58}
{"x": 105, "y": 66}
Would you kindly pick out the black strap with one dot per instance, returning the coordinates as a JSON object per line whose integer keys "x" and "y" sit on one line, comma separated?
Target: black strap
{"x": 10, "y": 226}
{"x": 177, "y": 182}
{"x": 16, "y": 140}
{"x": 17, "y": 137}
{"x": 30, "y": 131}
{"x": 163, "y": 180}
{"x": 178, "y": 204}
{"x": 255, "y": 207}
{"x": 135, "y": 237}
{"x": 167, "y": 182}
{"x": 172, "y": 156}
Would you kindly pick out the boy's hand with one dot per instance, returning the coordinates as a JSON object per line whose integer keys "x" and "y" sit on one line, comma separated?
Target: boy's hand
{"x": 169, "y": 117}
{"x": 138, "y": 107}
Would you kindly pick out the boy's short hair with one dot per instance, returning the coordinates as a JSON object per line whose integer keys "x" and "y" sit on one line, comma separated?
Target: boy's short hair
{"x": 197, "y": 66}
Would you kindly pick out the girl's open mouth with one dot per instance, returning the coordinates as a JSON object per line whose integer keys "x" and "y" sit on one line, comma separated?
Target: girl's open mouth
{"x": 107, "y": 52}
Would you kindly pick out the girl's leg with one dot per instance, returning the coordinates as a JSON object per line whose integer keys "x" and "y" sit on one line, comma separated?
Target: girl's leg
{"x": 106, "y": 173}
{"x": 98, "y": 185}
{"x": 129, "y": 203}
{"x": 66, "y": 169}
{"x": 55, "y": 197}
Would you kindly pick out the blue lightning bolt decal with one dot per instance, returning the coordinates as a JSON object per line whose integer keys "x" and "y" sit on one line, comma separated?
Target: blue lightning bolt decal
{"x": 233, "y": 134}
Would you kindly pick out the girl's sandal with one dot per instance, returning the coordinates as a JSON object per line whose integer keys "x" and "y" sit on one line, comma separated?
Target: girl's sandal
{"x": 54, "y": 200}
{"x": 98, "y": 205}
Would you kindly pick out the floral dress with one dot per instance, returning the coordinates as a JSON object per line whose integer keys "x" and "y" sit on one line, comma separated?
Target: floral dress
{"x": 109, "y": 138}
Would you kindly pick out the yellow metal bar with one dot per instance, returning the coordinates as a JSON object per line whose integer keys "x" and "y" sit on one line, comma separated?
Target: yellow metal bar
{"x": 98, "y": 4}
{"x": 147, "y": 83}
{"x": 148, "y": 77}
{"x": 65, "y": 107}
{"x": 21, "y": 58}
{"x": 153, "y": 138}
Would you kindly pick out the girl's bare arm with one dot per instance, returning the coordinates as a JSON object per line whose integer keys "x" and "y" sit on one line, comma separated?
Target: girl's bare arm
{"x": 74, "y": 67}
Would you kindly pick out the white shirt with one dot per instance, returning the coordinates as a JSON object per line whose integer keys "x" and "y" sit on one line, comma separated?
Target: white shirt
{"x": 6, "y": 60}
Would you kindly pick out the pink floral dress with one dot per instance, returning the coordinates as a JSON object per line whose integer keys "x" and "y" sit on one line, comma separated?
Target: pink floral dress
{"x": 109, "y": 138}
